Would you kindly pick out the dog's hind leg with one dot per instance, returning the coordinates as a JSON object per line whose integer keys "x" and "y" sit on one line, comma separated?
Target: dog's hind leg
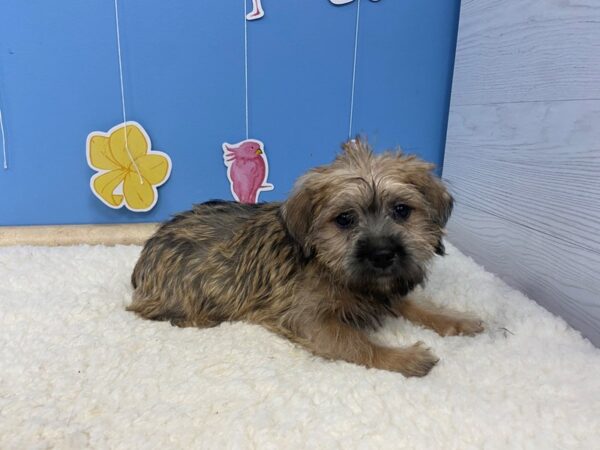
{"x": 152, "y": 309}
{"x": 148, "y": 307}
{"x": 183, "y": 322}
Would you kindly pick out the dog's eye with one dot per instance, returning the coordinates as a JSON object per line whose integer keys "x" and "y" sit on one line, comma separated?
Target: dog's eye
{"x": 401, "y": 211}
{"x": 345, "y": 220}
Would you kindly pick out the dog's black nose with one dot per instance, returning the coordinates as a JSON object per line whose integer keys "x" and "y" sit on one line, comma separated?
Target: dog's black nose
{"x": 379, "y": 253}
{"x": 381, "y": 258}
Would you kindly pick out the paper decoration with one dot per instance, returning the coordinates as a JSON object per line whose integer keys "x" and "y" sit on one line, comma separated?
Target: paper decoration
{"x": 126, "y": 178}
{"x": 257, "y": 10}
{"x": 247, "y": 169}
{"x": 344, "y": 2}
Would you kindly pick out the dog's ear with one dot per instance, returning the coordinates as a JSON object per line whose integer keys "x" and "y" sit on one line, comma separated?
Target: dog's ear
{"x": 297, "y": 213}
{"x": 441, "y": 204}
{"x": 435, "y": 193}
{"x": 439, "y": 198}
{"x": 440, "y": 248}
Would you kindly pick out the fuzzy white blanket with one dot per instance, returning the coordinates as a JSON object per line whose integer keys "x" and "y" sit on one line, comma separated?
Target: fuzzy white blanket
{"x": 78, "y": 371}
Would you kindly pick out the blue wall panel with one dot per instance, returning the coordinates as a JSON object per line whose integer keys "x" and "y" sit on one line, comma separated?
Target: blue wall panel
{"x": 183, "y": 63}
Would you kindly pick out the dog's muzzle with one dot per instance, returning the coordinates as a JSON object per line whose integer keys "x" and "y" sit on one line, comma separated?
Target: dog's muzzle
{"x": 379, "y": 254}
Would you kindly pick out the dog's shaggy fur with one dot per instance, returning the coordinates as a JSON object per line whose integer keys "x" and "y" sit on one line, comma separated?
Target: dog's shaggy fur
{"x": 352, "y": 240}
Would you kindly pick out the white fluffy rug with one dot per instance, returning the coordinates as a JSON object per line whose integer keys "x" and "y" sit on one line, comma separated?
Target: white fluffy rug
{"x": 78, "y": 371}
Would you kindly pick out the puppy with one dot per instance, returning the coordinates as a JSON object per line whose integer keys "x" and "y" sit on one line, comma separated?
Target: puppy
{"x": 342, "y": 252}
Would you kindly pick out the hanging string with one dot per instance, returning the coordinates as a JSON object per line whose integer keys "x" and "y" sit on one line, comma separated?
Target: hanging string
{"x": 246, "y": 62}
{"x": 3, "y": 140}
{"x": 354, "y": 68}
{"x": 123, "y": 93}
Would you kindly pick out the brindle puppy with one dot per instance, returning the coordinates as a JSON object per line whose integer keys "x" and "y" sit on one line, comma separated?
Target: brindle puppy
{"x": 343, "y": 251}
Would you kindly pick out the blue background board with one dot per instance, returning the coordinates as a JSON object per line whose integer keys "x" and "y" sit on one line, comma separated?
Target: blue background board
{"x": 183, "y": 69}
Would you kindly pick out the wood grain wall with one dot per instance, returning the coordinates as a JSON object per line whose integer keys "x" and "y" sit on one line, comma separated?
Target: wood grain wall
{"x": 523, "y": 149}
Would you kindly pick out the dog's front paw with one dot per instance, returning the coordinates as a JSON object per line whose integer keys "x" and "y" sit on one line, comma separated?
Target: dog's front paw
{"x": 414, "y": 361}
{"x": 461, "y": 326}
{"x": 419, "y": 362}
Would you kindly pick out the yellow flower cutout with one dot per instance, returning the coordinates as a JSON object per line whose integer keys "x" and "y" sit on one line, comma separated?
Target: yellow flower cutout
{"x": 126, "y": 178}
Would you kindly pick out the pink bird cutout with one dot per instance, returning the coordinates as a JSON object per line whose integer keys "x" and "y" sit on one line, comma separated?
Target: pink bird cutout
{"x": 247, "y": 169}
